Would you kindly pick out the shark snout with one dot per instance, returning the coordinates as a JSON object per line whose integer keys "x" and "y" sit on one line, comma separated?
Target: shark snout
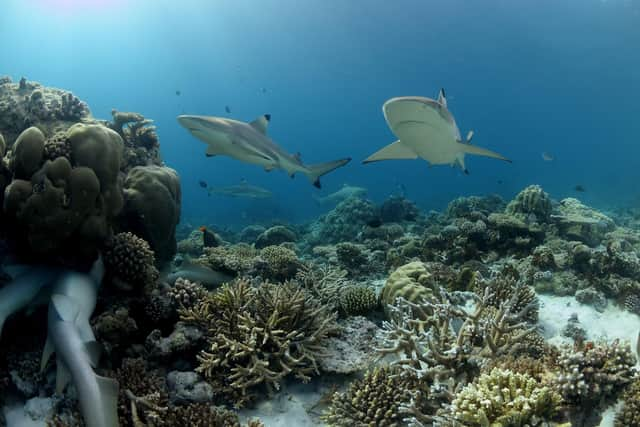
{"x": 188, "y": 122}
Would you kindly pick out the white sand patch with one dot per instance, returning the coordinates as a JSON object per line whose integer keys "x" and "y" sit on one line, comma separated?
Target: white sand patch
{"x": 611, "y": 324}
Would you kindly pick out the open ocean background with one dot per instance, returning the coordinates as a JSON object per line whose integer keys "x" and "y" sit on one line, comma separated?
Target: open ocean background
{"x": 527, "y": 76}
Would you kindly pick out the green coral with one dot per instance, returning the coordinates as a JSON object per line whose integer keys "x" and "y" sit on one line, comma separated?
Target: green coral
{"x": 259, "y": 336}
{"x": 355, "y": 300}
{"x": 502, "y": 398}
{"x": 375, "y": 400}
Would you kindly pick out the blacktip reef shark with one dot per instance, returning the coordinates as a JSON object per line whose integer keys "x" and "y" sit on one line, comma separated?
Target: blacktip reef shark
{"x": 72, "y": 299}
{"x": 426, "y": 129}
{"x": 249, "y": 143}
{"x": 244, "y": 189}
{"x": 347, "y": 191}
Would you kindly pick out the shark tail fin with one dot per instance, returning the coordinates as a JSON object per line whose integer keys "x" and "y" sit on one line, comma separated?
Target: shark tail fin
{"x": 109, "y": 400}
{"x": 393, "y": 151}
{"x": 314, "y": 172}
{"x": 479, "y": 151}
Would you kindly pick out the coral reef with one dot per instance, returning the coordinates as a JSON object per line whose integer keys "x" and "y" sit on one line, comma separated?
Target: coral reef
{"x": 629, "y": 415}
{"x": 274, "y": 236}
{"x": 373, "y": 401}
{"x": 130, "y": 261}
{"x": 259, "y": 336}
{"x": 151, "y": 209}
{"x": 504, "y": 398}
{"x": 596, "y": 372}
{"x": 411, "y": 281}
{"x": 356, "y": 300}
{"x": 532, "y": 205}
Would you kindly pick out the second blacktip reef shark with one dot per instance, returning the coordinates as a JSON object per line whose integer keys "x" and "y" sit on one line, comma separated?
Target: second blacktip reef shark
{"x": 249, "y": 143}
{"x": 426, "y": 128}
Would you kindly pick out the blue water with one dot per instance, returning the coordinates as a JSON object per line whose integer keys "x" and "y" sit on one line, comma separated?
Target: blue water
{"x": 561, "y": 77}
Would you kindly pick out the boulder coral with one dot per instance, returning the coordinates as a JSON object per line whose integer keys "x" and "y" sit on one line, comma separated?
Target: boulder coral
{"x": 66, "y": 204}
{"x": 152, "y": 208}
{"x": 531, "y": 204}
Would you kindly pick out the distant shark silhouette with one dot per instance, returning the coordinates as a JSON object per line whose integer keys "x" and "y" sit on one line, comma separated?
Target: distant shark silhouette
{"x": 426, "y": 129}
{"x": 244, "y": 189}
{"x": 248, "y": 142}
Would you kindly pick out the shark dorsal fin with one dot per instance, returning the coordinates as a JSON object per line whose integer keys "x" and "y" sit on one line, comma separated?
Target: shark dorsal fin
{"x": 261, "y": 123}
{"x": 442, "y": 98}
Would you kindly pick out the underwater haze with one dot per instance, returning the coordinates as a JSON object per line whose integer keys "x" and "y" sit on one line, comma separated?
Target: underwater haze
{"x": 529, "y": 77}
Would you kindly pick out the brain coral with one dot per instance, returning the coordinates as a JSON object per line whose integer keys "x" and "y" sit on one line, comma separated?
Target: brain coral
{"x": 411, "y": 281}
{"x": 152, "y": 207}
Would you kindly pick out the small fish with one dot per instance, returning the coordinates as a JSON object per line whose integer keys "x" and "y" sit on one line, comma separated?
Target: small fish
{"x": 500, "y": 181}
{"x": 209, "y": 238}
{"x": 547, "y": 157}
{"x": 579, "y": 188}
{"x": 227, "y": 109}
{"x": 178, "y": 93}
{"x": 263, "y": 89}
{"x": 202, "y": 184}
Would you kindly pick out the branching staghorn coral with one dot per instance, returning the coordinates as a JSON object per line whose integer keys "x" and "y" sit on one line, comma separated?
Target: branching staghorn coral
{"x": 423, "y": 335}
{"x": 325, "y": 283}
{"x": 258, "y": 336}
{"x": 373, "y": 401}
{"x": 424, "y": 339}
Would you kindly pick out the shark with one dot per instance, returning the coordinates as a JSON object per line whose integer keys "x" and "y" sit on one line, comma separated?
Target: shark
{"x": 249, "y": 143}
{"x": 244, "y": 189}
{"x": 29, "y": 287}
{"x": 70, "y": 337}
{"x": 426, "y": 128}
{"x": 344, "y": 193}
{"x": 204, "y": 275}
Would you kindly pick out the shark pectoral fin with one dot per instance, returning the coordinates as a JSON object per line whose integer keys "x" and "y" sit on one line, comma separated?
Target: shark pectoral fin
{"x": 66, "y": 309}
{"x": 94, "y": 351}
{"x": 261, "y": 123}
{"x": 479, "y": 151}
{"x": 46, "y": 353}
{"x": 211, "y": 151}
{"x": 63, "y": 376}
{"x": 395, "y": 151}
{"x": 108, "y": 400}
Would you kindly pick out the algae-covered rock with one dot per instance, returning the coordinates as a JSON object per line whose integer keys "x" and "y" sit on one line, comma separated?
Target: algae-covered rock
{"x": 152, "y": 207}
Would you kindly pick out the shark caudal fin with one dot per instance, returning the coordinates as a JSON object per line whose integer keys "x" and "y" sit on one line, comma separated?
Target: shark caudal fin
{"x": 479, "y": 151}
{"x": 314, "y": 172}
{"x": 394, "y": 151}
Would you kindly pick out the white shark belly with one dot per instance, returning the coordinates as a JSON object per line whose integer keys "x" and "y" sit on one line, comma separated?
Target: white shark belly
{"x": 435, "y": 144}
